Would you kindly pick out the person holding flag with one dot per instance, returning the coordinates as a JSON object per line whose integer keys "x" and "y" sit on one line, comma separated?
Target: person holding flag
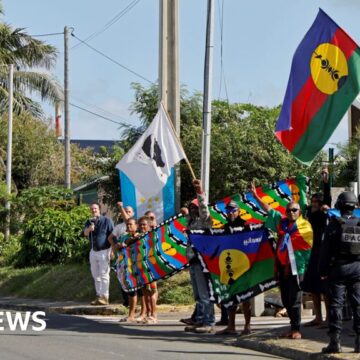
{"x": 295, "y": 239}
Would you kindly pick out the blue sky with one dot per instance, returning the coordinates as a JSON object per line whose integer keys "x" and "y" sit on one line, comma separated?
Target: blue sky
{"x": 259, "y": 39}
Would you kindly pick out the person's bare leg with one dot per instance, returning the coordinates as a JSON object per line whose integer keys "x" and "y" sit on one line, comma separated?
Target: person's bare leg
{"x": 316, "y": 298}
{"x": 146, "y": 295}
{"x": 153, "y": 298}
{"x": 132, "y": 307}
{"x": 247, "y": 316}
{"x": 143, "y": 308}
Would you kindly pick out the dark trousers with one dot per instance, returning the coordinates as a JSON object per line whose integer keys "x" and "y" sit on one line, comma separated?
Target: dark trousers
{"x": 224, "y": 314}
{"x": 291, "y": 296}
{"x": 344, "y": 279}
{"x": 125, "y": 297}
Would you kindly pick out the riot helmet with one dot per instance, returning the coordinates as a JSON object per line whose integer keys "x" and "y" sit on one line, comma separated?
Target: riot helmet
{"x": 346, "y": 201}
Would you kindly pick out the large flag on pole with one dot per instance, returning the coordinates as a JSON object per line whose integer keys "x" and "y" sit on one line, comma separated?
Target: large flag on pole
{"x": 324, "y": 81}
{"x": 147, "y": 170}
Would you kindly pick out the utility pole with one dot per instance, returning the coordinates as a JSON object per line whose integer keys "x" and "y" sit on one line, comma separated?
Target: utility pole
{"x": 169, "y": 85}
{"x": 66, "y": 110}
{"x": 206, "y": 130}
{"x": 9, "y": 151}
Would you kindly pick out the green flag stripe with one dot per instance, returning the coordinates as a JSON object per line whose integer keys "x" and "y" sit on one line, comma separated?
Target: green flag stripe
{"x": 328, "y": 117}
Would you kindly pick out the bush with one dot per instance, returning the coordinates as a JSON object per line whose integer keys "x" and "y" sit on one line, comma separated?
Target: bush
{"x": 53, "y": 236}
{"x": 9, "y": 250}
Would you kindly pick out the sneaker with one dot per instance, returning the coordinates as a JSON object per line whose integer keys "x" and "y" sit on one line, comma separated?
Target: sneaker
{"x": 187, "y": 321}
{"x": 103, "y": 300}
{"x": 95, "y": 302}
{"x": 205, "y": 329}
{"x": 190, "y": 328}
{"x": 221, "y": 322}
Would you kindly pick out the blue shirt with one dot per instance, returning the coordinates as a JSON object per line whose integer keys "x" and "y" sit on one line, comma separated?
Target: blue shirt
{"x": 99, "y": 237}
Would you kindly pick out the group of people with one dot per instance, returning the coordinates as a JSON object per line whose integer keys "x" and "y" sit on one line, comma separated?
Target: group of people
{"x": 106, "y": 240}
{"x": 312, "y": 254}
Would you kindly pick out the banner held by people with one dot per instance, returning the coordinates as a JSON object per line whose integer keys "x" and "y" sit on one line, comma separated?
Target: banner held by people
{"x": 324, "y": 81}
{"x": 239, "y": 265}
{"x": 277, "y": 195}
{"x": 160, "y": 253}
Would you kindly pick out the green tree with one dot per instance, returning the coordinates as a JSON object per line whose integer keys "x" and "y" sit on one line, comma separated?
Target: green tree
{"x": 26, "y": 53}
{"x": 345, "y": 169}
{"x": 38, "y": 156}
{"x": 243, "y": 146}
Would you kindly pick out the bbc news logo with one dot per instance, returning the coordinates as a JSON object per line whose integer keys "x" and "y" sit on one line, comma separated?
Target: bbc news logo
{"x": 20, "y": 320}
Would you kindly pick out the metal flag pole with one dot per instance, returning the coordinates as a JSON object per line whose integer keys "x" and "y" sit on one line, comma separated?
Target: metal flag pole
{"x": 206, "y": 128}
{"x": 9, "y": 151}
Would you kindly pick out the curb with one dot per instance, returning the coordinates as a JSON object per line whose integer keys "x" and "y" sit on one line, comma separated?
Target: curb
{"x": 79, "y": 309}
{"x": 69, "y": 310}
{"x": 290, "y": 352}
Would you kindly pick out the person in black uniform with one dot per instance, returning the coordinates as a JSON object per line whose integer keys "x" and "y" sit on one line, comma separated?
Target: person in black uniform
{"x": 340, "y": 264}
{"x": 316, "y": 214}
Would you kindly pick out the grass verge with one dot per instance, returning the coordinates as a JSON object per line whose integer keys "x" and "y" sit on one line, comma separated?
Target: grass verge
{"x": 74, "y": 282}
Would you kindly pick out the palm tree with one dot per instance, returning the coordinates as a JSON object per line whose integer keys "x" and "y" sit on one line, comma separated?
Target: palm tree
{"x": 29, "y": 57}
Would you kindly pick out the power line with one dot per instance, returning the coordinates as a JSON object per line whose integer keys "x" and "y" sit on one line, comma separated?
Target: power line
{"x": 111, "y": 22}
{"x": 112, "y": 60}
{"x": 50, "y": 34}
{"x": 97, "y": 107}
{"x": 100, "y": 116}
{"x": 222, "y": 72}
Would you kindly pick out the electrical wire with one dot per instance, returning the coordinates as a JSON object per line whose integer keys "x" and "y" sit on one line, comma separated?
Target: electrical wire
{"x": 222, "y": 72}
{"x": 97, "y": 108}
{"x": 111, "y": 22}
{"x": 50, "y": 34}
{"x": 98, "y": 115}
{"x": 112, "y": 60}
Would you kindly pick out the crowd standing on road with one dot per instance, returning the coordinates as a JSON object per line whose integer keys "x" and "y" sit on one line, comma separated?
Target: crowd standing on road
{"x": 313, "y": 254}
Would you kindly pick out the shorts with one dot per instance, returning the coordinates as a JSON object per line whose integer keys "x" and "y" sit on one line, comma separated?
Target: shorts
{"x": 152, "y": 287}
{"x": 137, "y": 292}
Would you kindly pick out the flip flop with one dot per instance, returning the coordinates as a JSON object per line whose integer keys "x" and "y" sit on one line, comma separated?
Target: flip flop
{"x": 312, "y": 323}
{"x": 296, "y": 336}
{"x": 286, "y": 335}
{"x": 245, "y": 332}
{"x": 226, "y": 332}
{"x": 323, "y": 325}
{"x": 127, "y": 321}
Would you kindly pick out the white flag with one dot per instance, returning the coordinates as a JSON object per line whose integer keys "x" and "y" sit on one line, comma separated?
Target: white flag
{"x": 149, "y": 162}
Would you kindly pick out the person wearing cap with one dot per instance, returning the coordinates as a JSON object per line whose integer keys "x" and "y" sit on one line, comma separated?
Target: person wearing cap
{"x": 340, "y": 264}
{"x": 228, "y": 315}
{"x": 199, "y": 219}
{"x": 295, "y": 238}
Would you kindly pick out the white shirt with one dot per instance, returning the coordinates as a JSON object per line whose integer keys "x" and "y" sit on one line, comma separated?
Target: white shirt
{"x": 119, "y": 230}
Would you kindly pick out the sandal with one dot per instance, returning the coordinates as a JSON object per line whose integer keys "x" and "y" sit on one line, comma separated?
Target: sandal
{"x": 245, "y": 332}
{"x": 296, "y": 335}
{"x": 126, "y": 320}
{"x": 150, "y": 320}
{"x": 226, "y": 331}
{"x": 286, "y": 335}
{"x": 323, "y": 325}
{"x": 140, "y": 319}
{"x": 312, "y": 323}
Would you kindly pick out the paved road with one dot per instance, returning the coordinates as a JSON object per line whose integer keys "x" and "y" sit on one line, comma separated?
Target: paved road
{"x": 102, "y": 338}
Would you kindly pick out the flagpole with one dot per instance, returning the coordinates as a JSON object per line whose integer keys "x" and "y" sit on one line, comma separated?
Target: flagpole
{"x": 178, "y": 140}
{"x": 206, "y": 130}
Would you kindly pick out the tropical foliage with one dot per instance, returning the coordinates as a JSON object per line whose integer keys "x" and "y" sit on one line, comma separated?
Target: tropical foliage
{"x": 243, "y": 146}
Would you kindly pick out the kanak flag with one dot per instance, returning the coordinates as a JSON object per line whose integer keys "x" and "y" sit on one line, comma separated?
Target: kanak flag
{"x": 324, "y": 81}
